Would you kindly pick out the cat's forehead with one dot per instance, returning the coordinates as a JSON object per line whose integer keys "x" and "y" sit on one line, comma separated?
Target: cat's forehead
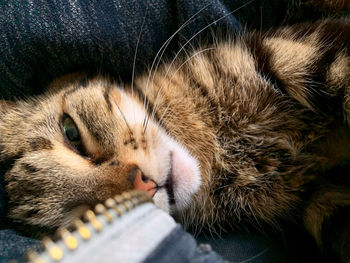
{"x": 93, "y": 98}
{"x": 100, "y": 97}
{"x": 89, "y": 92}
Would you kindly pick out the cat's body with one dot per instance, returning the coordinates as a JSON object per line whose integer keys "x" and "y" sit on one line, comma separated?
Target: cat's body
{"x": 250, "y": 130}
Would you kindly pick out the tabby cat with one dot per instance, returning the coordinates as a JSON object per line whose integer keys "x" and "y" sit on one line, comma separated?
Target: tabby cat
{"x": 252, "y": 129}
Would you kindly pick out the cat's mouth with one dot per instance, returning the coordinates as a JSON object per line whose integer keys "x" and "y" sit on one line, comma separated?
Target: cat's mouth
{"x": 169, "y": 184}
{"x": 178, "y": 180}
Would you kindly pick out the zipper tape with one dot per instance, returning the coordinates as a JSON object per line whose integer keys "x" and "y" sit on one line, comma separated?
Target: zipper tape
{"x": 105, "y": 222}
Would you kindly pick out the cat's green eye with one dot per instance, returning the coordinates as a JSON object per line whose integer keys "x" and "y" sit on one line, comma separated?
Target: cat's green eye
{"x": 71, "y": 131}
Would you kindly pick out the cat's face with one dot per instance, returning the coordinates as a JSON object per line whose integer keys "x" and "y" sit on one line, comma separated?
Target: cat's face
{"x": 85, "y": 143}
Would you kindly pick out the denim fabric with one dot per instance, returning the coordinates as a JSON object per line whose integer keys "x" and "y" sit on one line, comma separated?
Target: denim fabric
{"x": 241, "y": 247}
{"x": 181, "y": 247}
{"x": 42, "y": 39}
{"x": 14, "y": 246}
{"x": 292, "y": 245}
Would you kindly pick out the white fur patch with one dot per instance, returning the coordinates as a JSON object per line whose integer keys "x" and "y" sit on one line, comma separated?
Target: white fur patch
{"x": 155, "y": 161}
{"x": 185, "y": 174}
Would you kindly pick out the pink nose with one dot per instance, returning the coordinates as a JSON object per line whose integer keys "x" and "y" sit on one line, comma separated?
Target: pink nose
{"x": 143, "y": 183}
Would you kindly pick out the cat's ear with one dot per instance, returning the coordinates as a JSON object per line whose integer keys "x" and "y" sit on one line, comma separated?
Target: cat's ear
{"x": 6, "y": 104}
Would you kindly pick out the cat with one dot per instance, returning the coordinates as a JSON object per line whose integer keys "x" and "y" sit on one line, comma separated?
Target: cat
{"x": 254, "y": 129}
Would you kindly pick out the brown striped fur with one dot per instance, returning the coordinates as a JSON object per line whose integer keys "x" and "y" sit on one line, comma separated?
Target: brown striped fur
{"x": 265, "y": 115}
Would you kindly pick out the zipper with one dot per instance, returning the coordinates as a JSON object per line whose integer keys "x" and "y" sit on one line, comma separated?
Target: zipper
{"x": 90, "y": 224}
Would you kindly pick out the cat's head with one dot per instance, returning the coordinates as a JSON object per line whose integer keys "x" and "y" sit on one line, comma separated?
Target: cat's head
{"x": 83, "y": 142}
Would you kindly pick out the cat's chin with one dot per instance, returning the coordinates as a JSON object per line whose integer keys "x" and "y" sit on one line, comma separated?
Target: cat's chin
{"x": 184, "y": 179}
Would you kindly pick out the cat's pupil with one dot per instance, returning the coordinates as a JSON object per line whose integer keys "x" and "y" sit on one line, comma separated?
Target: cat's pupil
{"x": 72, "y": 134}
{"x": 71, "y": 130}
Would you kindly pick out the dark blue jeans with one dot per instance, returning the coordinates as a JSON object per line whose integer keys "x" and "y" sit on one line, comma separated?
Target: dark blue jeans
{"x": 43, "y": 39}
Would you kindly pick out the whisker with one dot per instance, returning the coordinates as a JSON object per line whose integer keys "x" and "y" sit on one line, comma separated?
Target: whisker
{"x": 184, "y": 63}
{"x": 187, "y": 42}
{"x": 204, "y": 28}
{"x": 163, "y": 48}
{"x": 147, "y": 117}
{"x": 126, "y": 122}
{"x": 135, "y": 55}
{"x": 157, "y": 66}
{"x": 160, "y": 119}
{"x": 165, "y": 112}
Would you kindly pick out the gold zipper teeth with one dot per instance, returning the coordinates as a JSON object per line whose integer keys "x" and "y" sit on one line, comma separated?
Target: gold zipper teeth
{"x": 69, "y": 240}
{"x": 82, "y": 229}
{"x": 101, "y": 209}
{"x": 110, "y": 210}
{"x": 91, "y": 218}
{"x": 55, "y": 252}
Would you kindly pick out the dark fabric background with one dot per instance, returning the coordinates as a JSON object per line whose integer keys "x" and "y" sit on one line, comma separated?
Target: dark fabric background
{"x": 43, "y": 39}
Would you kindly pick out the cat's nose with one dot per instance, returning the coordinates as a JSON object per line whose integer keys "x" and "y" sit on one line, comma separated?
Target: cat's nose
{"x": 143, "y": 183}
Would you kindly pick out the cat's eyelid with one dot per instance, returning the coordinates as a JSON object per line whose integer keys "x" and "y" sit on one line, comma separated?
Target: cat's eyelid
{"x": 80, "y": 149}
{"x": 89, "y": 147}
